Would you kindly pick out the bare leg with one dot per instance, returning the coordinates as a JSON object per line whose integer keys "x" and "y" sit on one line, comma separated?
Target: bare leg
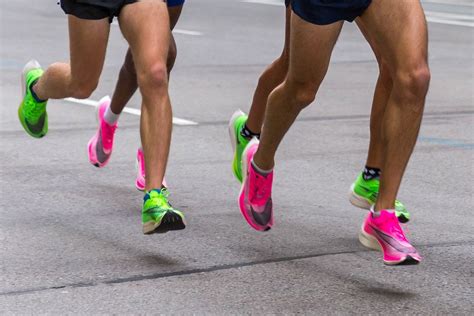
{"x": 127, "y": 81}
{"x": 398, "y": 29}
{"x": 311, "y": 47}
{"x": 88, "y": 43}
{"x": 269, "y": 80}
{"x": 145, "y": 25}
{"x": 383, "y": 89}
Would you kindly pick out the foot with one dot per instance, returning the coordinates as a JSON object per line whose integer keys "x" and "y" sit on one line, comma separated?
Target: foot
{"x": 384, "y": 233}
{"x": 100, "y": 146}
{"x": 255, "y": 199}
{"x": 158, "y": 216}
{"x": 237, "y": 141}
{"x": 140, "y": 181}
{"x": 363, "y": 194}
{"x": 32, "y": 114}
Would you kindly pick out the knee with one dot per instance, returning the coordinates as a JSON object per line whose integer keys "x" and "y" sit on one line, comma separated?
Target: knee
{"x": 153, "y": 77}
{"x": 83, "y": 89}
{"x": 413, "y": 83}
{"x": 303, "y": 94}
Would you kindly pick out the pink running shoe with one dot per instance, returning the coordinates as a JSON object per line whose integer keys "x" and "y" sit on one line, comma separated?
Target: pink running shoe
{"x": 384, "y": 233}
{"x": 255, "y": 198}
{"x": 140, "y": 182}
{"x": 100, "y": 146}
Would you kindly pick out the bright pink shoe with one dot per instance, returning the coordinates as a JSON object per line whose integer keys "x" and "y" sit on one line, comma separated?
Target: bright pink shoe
{"x": 140, "y": 181}
{"x": 384, "y": 233}
{"x": 100, "y": 146}
{"x": 255, "y": 198}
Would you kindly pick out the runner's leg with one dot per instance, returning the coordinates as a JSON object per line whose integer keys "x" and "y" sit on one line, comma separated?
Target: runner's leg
{"x": 311, "y": 47}
{"x": 382, "y": 92}
{"x": 127, "y": 81}
{"x": 399, "y": 29}
{"x": 88, "y": 43}
{"x": 145, "y": 25}
{"x": 269, "y": 80}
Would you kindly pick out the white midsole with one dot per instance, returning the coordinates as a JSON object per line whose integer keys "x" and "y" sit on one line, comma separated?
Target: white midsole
{"x": 232, "y": 134}
{"x": 358, "y": 200}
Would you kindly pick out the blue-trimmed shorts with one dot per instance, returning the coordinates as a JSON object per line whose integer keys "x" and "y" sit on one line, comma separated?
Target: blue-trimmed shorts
{"x": 323, "y": 12}
{"x": 174, "y": 3}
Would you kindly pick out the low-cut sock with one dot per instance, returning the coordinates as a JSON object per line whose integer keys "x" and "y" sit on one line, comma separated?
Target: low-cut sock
{"x": 247, "y": 133}
{"x": 376, "y": 214}
{"x": 110, "y": 117}
{"x": 259, "y": 170}
{"x": 370, "y": 173}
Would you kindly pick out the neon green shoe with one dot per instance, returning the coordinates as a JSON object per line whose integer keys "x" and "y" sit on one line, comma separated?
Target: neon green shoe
{"x": 237, "y": 141}
{"x": 32, "y": 114}
{"x": 363, "y": 194}
{"x": 158, "y": 216}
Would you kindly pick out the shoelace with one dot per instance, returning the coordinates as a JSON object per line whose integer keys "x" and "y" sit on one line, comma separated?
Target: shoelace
{"x": 260, "y": 189}
{"x": 161, "y": 199}
{"x": 111, "y": 131}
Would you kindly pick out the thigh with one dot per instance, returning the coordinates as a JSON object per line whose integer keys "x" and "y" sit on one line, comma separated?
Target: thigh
{"x": 397, "y": 31}
{"x": 286, "y": 47}
{"x": 311, "y": 46}
{"x": 88, "y": 44}
{"x": 146, "y": 27}
{"x": 174, "y": 13}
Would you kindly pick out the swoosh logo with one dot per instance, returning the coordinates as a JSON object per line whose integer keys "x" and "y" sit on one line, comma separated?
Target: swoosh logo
{"x": 99, "y": 149}
{"x": 263, "y": 217}
{"x": 393, "y": 242}
{"x": 38, "y": 127}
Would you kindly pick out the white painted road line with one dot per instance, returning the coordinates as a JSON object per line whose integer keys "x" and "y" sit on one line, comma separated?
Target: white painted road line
{"x": 187, "y": 32}
{"x": 176, "y": 120}
{"x": 279, "y": 3}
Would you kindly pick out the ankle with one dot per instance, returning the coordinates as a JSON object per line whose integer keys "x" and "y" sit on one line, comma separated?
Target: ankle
{"x": 34, "y": 93}
{"x": 262, "y": 165}
{"x": 383, "y": 205}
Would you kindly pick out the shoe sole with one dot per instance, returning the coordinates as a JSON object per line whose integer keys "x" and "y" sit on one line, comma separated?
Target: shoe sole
{"x": 363, "y": 203}
{"x": 32, "y": 64}
{"x": 89, "y": 144}
{"x": 371, "y": 242}
{"x": 137, "y": 167}
{"x": 357, "y": 200}
{"x": 233, "y": 138}
{"x": 170, "y": 221}
{"x": 244, "y": 178}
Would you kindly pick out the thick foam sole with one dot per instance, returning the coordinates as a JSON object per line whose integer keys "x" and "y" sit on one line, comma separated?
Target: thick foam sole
{"x": 357, "y": 200}
{"x": 233, "y": 139}
{"x": 362, "y": 203}
{"x": 171, "y": 221}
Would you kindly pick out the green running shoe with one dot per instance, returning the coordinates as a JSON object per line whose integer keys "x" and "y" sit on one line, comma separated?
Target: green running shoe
{"x": 237, "y": 141}
{"x": 363, "y": 194}
{"x": 158, "y": 216}
{"x": 32, "y": 114}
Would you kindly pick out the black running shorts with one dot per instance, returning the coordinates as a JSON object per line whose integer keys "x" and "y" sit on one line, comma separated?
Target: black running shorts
{"x": 94, "y": 9}
{"x": 322, "y": 12}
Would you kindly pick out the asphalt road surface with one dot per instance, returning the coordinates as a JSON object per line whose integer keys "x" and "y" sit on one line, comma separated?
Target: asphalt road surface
{"x": 70, "y": 234}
